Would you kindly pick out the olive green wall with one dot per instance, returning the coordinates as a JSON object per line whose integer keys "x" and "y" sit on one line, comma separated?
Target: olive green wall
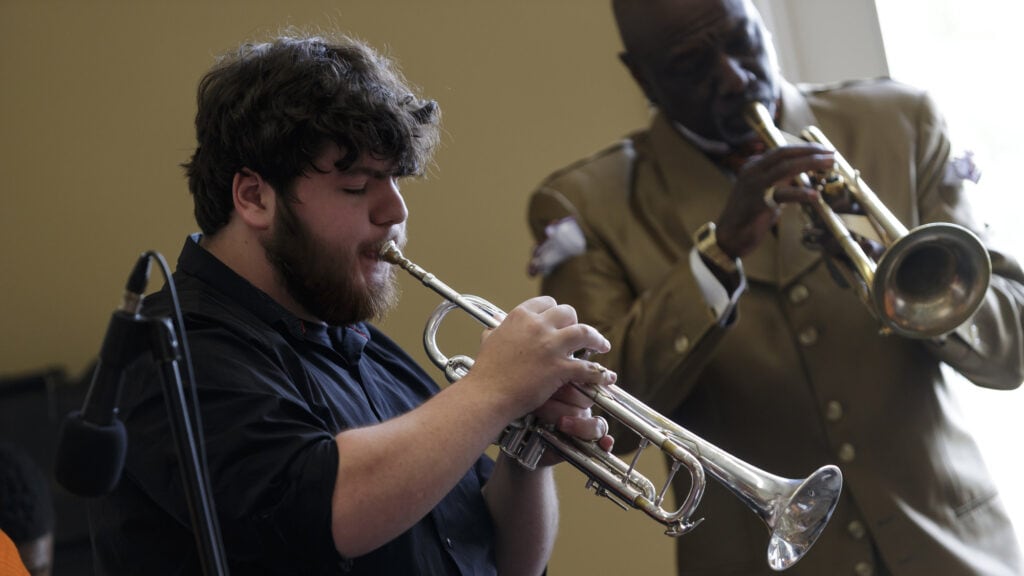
{"x": 96, "y": 106}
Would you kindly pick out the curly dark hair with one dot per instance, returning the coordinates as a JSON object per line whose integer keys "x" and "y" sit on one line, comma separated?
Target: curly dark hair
{"x": 272, "y": 107}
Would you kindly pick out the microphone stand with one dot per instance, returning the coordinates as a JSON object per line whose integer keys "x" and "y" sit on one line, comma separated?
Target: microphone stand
{"x": 193, "y": 470}
{"x": 129, "y": 336}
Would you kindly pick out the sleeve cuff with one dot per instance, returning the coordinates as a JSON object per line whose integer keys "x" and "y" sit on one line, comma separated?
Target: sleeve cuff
{"x": 717, "y": 297}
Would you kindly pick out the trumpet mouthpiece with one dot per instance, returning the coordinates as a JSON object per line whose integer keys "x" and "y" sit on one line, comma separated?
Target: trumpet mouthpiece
{"x": 390, "y": 253}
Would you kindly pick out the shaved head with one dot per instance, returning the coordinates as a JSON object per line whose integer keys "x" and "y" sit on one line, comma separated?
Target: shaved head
{"x": 637, "y": 19}
{"x": 699, "y": 61}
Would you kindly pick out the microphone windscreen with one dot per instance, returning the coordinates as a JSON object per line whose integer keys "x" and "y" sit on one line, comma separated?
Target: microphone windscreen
{"x": 90, "y": 457}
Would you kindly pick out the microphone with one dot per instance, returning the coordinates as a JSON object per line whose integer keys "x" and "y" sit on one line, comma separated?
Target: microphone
{"x": 92, "y": 444}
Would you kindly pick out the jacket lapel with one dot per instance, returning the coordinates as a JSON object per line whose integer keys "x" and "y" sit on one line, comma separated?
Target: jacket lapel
{"x": 690, "y": 191}
{"x": 693, "y": 190}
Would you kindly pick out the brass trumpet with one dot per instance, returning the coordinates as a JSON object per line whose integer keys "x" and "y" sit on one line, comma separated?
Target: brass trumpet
{"x": 795, "y": 511}
{"x": 927, "y": 282}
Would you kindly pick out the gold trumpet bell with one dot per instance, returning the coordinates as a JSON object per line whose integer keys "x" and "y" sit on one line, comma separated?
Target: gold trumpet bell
{"x": 931, "y": 280}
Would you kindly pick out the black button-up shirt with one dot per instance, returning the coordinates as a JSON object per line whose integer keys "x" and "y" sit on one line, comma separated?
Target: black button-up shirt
{"x": 274, "y": 391}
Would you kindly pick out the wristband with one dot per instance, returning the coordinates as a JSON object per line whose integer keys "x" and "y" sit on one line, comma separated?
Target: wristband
{"x": 707, "y": 245}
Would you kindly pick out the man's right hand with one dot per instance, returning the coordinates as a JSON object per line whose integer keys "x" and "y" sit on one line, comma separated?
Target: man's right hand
{"x": 529, "y": 357}
{"x": 747, "y": 218}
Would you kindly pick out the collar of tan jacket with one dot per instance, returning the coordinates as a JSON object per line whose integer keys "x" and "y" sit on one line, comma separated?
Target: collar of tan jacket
{"x": 695, "y": 191}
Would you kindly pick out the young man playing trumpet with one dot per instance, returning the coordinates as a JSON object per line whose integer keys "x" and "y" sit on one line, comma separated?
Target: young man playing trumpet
{"x": 329, "y": 450}
{"x": 685, "y": 244}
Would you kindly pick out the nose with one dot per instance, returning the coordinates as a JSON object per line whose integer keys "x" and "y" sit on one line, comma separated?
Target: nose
{"x": 390, "y": 208}
{"x": 732, "y": 76}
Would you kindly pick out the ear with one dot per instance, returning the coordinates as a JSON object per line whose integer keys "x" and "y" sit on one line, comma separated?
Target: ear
{"x": 637, "y": 73}
{"x": 255, "y": 200}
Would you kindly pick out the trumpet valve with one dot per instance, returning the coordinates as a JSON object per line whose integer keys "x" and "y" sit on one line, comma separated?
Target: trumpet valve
{"x": 833, "y": 185}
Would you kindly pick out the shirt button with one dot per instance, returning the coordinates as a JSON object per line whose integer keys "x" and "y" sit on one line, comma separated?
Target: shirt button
{"x": 808, "y": 336}
{"x": 681, "y": 344}
{"x": 847, "y": 453}
{"x": 856, "y": 529}
{"x": 863, "y": 569}
{"x": 448, "y": 542}
{"x": 798, "y": 293}
{"x": 833, "y": 411}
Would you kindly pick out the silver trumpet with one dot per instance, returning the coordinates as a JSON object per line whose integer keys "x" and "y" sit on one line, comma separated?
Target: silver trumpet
{"x": 795, "y": 511}
{"x": 927, "y": 282}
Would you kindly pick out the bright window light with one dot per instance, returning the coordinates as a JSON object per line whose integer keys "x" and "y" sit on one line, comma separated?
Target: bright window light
{"x": 964, "y": 52}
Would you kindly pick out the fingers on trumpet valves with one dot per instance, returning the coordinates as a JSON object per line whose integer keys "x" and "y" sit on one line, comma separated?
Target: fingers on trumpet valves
{"x": 585, "y": 340}
{"x": 562, "y": 315}
{"x": 597, "y": 374}
{"x": 538, "y": 304}
{"x": 593, "y": 428}
{"x": 607, "y": 376}
{"x": 604, "y": 440}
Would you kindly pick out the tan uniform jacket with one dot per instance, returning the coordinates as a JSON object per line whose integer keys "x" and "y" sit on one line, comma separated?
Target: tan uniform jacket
{"x": 799, "y": 376}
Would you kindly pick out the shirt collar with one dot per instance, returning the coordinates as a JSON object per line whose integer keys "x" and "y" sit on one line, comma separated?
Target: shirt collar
{"x": 705, "y": 145}
{"x": 717, "y": 149}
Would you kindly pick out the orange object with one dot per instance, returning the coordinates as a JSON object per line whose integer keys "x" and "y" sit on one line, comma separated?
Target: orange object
{"x": 10, "y": 560}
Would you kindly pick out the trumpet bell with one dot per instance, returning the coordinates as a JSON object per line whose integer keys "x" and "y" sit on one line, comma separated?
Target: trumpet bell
{"x": 801, "y": 517}
{"x": 931, "y": 280}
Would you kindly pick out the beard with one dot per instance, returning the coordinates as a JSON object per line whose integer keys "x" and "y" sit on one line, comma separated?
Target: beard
{"x": 322, "y": 280}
